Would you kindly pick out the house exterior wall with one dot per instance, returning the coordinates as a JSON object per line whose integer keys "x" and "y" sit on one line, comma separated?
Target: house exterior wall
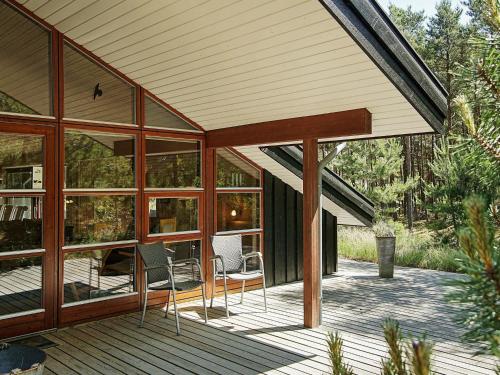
{"x": 283, "y": 256}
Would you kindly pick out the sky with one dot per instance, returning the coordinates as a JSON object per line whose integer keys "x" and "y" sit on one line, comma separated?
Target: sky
{"x": 428, "y": 5}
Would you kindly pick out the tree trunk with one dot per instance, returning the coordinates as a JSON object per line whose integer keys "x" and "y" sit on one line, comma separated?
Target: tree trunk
{"x": 407, "y": 167}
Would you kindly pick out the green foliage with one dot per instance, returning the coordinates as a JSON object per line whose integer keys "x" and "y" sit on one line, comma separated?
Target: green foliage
{"x": 9, "y": 104}
{"x": 479, "y": 293}
{"x": 374, "y": 168}
{"x": 411, "y": 23}
{"x": 413, "y": 248}
{"x": 337, "y": 364}
{"x": 416, "y": 351}
{"x": 383, "y": 229}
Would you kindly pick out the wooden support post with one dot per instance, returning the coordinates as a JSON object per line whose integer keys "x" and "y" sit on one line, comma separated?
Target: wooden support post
{"x": 311, "y": 235}
{"x": 210, "y": 176}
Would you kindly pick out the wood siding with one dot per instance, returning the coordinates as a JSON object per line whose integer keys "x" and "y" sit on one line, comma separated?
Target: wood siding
{"x": 283, "y": 234}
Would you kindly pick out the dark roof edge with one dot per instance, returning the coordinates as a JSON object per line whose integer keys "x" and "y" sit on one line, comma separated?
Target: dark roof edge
{"x": 334, "y": 187}
{"x": 379, "y": 38}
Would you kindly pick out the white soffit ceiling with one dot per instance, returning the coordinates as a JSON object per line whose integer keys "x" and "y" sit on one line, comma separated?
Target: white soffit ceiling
{"x": 225, "y": 63}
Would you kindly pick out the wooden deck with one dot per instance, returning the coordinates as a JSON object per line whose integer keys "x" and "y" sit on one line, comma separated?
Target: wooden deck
{"x": 252, "y": 342}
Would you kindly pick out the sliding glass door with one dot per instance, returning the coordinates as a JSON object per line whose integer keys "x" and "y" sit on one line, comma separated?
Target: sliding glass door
{"x": 27, "y": 243}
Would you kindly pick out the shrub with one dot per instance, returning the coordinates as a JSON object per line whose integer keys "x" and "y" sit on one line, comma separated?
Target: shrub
{"x": 413, "y": 249}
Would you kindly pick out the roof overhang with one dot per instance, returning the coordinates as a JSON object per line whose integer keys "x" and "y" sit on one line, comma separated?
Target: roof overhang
{"x": 229, "y": 63}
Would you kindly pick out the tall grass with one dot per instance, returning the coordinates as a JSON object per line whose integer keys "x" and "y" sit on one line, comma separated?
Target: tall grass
{"x": 413, "y": 249}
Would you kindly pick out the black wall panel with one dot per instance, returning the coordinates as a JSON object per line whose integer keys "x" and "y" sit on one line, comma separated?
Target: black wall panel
{"x": 283, "y": 257}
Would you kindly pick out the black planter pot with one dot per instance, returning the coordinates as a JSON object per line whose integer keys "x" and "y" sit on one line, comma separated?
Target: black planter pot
{"x": 26, "y": 360}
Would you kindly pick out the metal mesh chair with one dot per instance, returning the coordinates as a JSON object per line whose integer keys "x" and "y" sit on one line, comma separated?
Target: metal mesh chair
{"x": 159, "y": 274}
{"x": 229, "y": 262}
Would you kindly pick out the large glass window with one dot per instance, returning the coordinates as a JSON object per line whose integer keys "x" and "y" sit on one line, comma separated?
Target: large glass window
{"x": 21, "y": 162}
{"x": 98, "y": 160}
{"x": 160, "y": 117}
{"x": 98, "y": 273}
{"x": 25, "y": 78}
{"x": 20, "y": 223}
{"x": 97, "y": 219}
{"x": 238, "y": 211}
{"x": 173, "y": 163}
{"x": 20, "y": 285}
{"x": 171, "y": 215}
{"x": 92, "y": 92}
{"x": 232, "y": 171}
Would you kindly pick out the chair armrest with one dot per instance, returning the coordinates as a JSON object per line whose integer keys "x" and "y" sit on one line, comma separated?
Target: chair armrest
{"x": 181, "y": 262}
{"x": 254, "y": 254}
{"x": 156, "y": 267}
{"x": 214, "y": 260}
{"x": 188, "y": 261}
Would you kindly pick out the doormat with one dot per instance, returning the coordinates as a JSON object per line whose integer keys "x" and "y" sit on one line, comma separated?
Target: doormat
{"x": 37, "y": 341}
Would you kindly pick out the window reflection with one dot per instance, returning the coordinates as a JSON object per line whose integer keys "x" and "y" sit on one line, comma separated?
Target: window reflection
{"x": 169, "y": 215}
{"x": 20, "y": 223}
{"x": 238, "y": 211}
{"x": 159, "y": 116}
{"x": 21, "y": 161}
{"x": 98, "y": 273}
{"x": 97, "y": 219}
{"x": 92, "y": 92}
{"x": 173, "y": 163}
{"x": 25, "y": 79}
{"x": 20, "y": 285}
{"x": 232, "y": 171}
{"x": 98, "y": 160}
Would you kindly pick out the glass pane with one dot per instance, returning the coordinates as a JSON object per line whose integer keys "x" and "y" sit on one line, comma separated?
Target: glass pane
{"x": 173, "y": 163}
{"x": 96, "y": 219}
{"x": 98, "y": 160}
{"x": 98, "y": 273}
{"x": 159, "y": 116}
{"x": 184, "y": 250}
{"x": 20, "y": 223}
{"x": 25, "y": 81}
{"x": 21, "y": 161}
{"x": 169, "y": 215}
{"x": 92, "y": 92}
{"x": 232, "y": 171}
{"x": 251, "y": 243}
{"x": 20, "y": 285}
{"x": 238, "y": 211}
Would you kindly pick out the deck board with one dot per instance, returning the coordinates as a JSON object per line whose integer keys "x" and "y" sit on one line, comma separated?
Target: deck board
{"x": 252, "y": 342}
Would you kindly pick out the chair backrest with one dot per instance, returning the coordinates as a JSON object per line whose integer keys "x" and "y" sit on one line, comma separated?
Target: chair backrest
{"x": 230, "y": 248}
{"x": 155, "y": 255}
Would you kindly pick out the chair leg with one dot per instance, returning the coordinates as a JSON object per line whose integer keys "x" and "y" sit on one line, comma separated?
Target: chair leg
{"x": 167, "y": 306}
{"x": 144, "y": 307}
{"x": 225, "y": 296}
{"x": 176, "y": 313}
{"x": 204, "y": 302}
{"x": 242, "y": 291}
{"x": 264, "y": 290}
{"x": 213, "y": 291}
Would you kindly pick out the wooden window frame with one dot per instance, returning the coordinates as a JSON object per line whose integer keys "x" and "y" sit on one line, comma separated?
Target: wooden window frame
{"x": 258, "y": 190}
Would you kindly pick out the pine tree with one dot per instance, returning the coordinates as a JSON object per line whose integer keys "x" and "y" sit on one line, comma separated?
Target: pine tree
{"x": 479, "y": 293}
{"x": 447, "y": 47}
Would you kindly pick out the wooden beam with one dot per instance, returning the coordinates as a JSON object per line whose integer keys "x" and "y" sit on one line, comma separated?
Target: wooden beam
{"x": 327, "y": 125}
{"x": 311, "y": 235}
